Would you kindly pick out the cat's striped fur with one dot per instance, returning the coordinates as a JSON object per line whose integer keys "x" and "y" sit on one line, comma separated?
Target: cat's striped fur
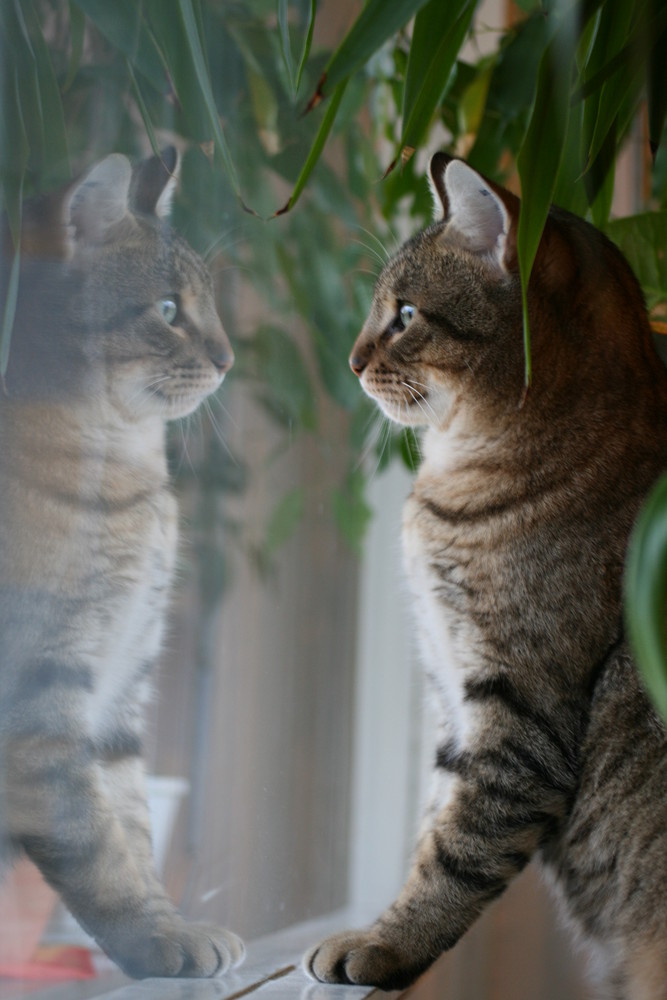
{"x": 514, "y": 542}
{"x": 116, "y": 332}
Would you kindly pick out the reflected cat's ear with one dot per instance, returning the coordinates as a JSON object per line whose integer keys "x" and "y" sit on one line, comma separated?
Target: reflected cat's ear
{"x": 100, "y": 199}
{"x": 479, "y": 220}
{"x": 154, "y": 182}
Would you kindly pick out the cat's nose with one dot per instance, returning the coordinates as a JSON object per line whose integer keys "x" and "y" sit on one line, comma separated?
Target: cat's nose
{"x": 222, "y": 356}
{"x": 357, "y": 363}
{"x": 361, "y": 353}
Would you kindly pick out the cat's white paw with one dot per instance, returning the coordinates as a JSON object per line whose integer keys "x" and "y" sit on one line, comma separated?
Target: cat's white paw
{"x": 196, "y": 951}
{"x": 360, "y": 958}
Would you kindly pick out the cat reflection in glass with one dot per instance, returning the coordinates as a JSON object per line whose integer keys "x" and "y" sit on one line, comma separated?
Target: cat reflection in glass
{"x": 116, "y": 332}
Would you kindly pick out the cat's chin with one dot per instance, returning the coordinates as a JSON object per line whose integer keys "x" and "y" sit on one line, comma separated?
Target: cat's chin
{"x": 407, "y": 414}
{"x": 181, "y": 406}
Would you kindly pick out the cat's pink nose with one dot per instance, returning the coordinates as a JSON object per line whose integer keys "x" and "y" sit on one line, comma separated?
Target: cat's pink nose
{"x": 357, "y": 364}
{"x": 223, "y": 358}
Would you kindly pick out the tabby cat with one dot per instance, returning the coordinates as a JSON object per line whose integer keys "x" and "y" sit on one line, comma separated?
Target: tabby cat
{"x": 116, "y": 333}
{"x": 514, "y": 541}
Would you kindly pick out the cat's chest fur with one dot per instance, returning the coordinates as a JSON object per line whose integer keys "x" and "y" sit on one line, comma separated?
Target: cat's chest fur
{"x": 438, "y": 559}
{"x": 110, "y": 548}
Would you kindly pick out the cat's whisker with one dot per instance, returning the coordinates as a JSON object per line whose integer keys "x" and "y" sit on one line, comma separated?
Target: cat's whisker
{"x": 217, "y": 401}
{"x": 373, "y": 429}
{"x": 421, "y": 395}
{"x": 183, "y": 425}
{"x": 382, "y": 254}
{"x": 241, "y": 268}
{"x": 219, "y": 242}
{"x": 363, "y": 270}
{"x": 381, "y": 260}
{"x": 217, "y": 429}
{"x": 416, "y": 397}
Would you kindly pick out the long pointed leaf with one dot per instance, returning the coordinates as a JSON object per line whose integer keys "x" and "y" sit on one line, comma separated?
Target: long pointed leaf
{"x": 143, "y": 110}
{"x": 306, "y": 44}
{"x": 316, "y": 148}
{"x": 433, "y": 51}
{"x": 538, "y": 160}
{"x": 12, "y": 185}
{"x": 77, "y": 28}
{"x": 122, "y": 24}
{"x": 285, "y": 45}
{"x": 198, "y": 64}
{"x": 646, "y": 594}
{"x": 657, "y": 89}
{"x": 53, "y": 156}
{"x": 10, "y": 310}
{"x": 377, "y": 22}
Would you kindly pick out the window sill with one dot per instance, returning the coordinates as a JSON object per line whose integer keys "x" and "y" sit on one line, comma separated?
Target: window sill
{"x": 271, "y": 970}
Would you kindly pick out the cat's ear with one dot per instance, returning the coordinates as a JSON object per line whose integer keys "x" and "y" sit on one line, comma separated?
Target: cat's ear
{"x": 478, "y": 218}
{"x": 154, "y": 182}
{"x": 99, "y": 200}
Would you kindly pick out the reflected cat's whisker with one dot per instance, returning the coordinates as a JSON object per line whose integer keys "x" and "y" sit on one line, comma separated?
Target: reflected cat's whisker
{"x": 218, "y": 431}
{"x": 183, "y": 425}
{"x": 219, "y": 242}
{"x": 215, "y": 399}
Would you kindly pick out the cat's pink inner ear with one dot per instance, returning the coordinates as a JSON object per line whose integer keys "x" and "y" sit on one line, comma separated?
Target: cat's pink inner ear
{"x": 475, "y": 211}
{"x": 100, "y": 199}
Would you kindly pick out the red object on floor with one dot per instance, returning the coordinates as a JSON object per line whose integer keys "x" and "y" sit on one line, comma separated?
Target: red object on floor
{"x": 54, "y": 962}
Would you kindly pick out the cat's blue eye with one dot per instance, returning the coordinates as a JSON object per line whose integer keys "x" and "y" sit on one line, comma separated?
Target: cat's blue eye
{"x": 168, "y": 309}
{"x": 406, "y": 312}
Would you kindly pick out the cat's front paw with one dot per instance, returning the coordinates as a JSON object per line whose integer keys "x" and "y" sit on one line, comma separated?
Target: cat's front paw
{"x": 361, "y": 958}
{"x": 196, "y": 951}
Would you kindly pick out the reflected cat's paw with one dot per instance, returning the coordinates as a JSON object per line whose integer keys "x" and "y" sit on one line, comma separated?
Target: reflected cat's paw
{"x": 360, "y": 958}
{"x": 196, "y": 951}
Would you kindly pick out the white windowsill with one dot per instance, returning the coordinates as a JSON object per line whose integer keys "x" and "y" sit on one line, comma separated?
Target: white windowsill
{"x": 271, "y": 970}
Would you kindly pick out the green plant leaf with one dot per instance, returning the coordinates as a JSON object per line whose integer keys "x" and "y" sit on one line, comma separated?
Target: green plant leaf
{"x": 539, "y": 158}
{"x": 180, "y": 46}
{"x": 285, "y": 45}
{"x": 52, "y": 156}
{"x": 143, "y": 110}
{"x": 646, "y": 594}
{"x": 410, "y": 450}
{"x": 14, "y": 152}
{"x": 437, "y": 36}
{"x": 657, "y": 88}
{"x": 77, "y": 27}
{"x": 306, "y": 44}
{"x": 316, "y": 148}
{"x": 10, "y": 310}
{"x": 377, "y": 22}
{"x": 122, "y": 24}
{"x": 643, "y": 238}
{"x": 198, "y": 65}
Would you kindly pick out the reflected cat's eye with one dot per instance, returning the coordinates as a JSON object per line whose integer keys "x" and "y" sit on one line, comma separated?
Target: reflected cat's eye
{"x": 168, "y": 309}
{"x": 406, "y": 313}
